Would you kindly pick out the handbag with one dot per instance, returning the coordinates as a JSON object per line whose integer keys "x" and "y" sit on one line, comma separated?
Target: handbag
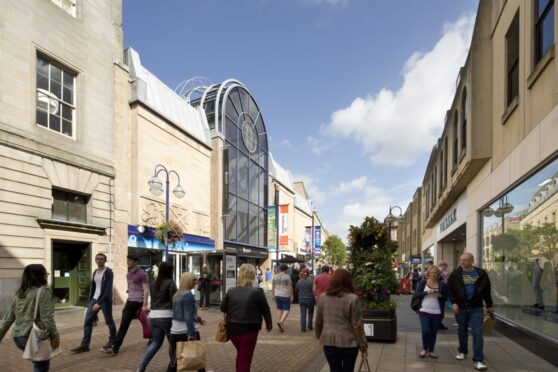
{"x": 142, "y": 317}
{"x": 190, "y": 355}
{"x": 364, "y": 366}
{"x": 221, "y": 334}
{"x": 416, "y": 303}
{"x": 488, "y": 324}
{"x": 38, "y": 347}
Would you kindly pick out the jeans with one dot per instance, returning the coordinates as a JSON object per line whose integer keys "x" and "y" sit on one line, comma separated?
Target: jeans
{"x": 88, "y": 322}
{"x": 129, "y": 312}
{"x": 306, "y": 306}
{"x": 42, "y": 366}
{"x": 160, "y": 327}
{"x": 245, "y": 344}
{"x": 180, "y": 337}
{"x": 204, "y": 296}
{"x": 474, "y": 317}
{"x": 341, "y": 359}
{"x": 429, "y": 328}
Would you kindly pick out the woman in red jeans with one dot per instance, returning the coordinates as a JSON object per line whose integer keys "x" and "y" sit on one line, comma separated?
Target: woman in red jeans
{"x": 244, "y": 307}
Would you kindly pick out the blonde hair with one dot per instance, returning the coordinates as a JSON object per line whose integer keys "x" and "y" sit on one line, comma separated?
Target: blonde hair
{"x": 246, "y": 275}
{"x": 433, "y": 268}
{"x": 186, "y": 284}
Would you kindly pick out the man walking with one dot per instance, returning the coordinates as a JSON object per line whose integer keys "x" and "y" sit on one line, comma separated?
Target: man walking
{"x": 321, "y": 283}
{"x": 100, "y": 299}
{"x": 137, "y": 299}
{"x": 282, "y": 292}
{"x": 468, "y": 286}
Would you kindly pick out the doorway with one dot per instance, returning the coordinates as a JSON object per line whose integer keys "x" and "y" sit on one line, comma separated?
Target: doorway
{"x": 71, "y": 268}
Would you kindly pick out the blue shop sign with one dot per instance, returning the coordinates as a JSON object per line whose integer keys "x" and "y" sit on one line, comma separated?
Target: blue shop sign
{"x": 148, "y": 240}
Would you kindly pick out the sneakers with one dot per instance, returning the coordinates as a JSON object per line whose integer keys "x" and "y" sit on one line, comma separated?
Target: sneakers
{"x": 480, "y": 366}
{"x": 79, "y": 349}
{"x": 109, "y": 350}
{"x": 460, "y": 356}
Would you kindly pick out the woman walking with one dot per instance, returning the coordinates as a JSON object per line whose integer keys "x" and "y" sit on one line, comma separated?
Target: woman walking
{"x": 434, "y": 294}
{"x": 160, "y": 316}
{"x": 244, "y": 306}
{"x": 339, "y": 324}
{"x": 23, "y": 308}
{"x": 306, "y": 299}
{"x": 185, "y": 317}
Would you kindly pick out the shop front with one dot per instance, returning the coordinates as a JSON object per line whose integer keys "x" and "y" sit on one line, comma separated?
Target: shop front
{"x": 451, "y": 234}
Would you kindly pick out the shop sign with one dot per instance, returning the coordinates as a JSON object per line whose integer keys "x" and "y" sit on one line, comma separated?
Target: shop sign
{"x": 148, "y": 240}
{"x": 448, "y": 220}
{"x": 284, "y": 224}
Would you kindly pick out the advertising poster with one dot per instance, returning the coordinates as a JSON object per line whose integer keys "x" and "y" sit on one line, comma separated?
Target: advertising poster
{"x": 284, "y": 224}
{"x": 271, "y": 227}
{"x": 307, "y": 239}
{"x": 230, "y": 271}
{"x": 317, "y": 241}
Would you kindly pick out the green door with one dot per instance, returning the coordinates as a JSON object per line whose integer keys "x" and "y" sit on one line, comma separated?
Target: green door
{"x": 71, "y": 269}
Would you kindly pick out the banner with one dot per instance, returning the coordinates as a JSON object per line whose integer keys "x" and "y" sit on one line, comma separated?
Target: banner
{"x": 284, "y": 224}
{"x": 271, "y": 227}
{"x": 317, "y": 241}
{"x": 307, "y": 239}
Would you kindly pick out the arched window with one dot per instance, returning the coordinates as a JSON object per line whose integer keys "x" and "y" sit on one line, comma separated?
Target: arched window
{"x": 464, "y": 120}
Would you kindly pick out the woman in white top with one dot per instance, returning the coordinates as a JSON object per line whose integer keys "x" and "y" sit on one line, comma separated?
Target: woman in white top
{"x": 434, "y": 293}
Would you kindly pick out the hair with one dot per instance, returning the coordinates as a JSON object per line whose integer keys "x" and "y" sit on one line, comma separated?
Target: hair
{"x": 341, "y": 282}
{"x": 165, "y": 272}
{"x": 304, "y": 273}
{"x": 325, "y": 269}
{"x": 101, "y": 254}
{"x": 33, "y": 276}
{"x": 433, "y": 267}
{"x": 246, "y": 275}
{"x": 185, "y": 285}
{"x": 283, "y": 267}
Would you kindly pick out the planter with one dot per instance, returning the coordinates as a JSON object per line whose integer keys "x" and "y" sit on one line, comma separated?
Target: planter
{"x": 380, "y": 325}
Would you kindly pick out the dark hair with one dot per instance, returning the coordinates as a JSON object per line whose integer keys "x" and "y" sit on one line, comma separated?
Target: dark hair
{"x": 341, "y": 282}
{"x": 283, "y": 267}
{"x": 33, "y": 276}
{"x": 132, "y": 257}
{"x": 325, "y": 269}
{"x": 101, "y": 254}
{"x": 165, "y": 272}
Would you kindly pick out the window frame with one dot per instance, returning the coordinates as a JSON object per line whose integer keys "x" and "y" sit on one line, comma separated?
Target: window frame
{"x": 68, "y": 195}
{"x": 539, "y": 30}
{"x": 512, "y": 66}
{"x": 464, "y": 121}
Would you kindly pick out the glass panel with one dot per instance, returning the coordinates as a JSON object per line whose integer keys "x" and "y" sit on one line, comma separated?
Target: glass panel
{"x": 253, "y": 225}
{"x": 77, "y": 208}
{"x": 66, "y": 112}
{"x": 547, "y": 31}
{"x": 231, "y": 111}
{"x": 58, "y": 205}
{"x": 42, "y": 118}
{"x": 68, "y": 81}
{"x": 242, "y": 180}
{"x": 520, "y": 251}
{"x": 232, "y": 169}
{"x": 54, "y": 122}
{"x": 261, "y": 228}
{"x": 235, "y": 98}
{"x": 55, "y": 74}
{"x": 67, "y": 128}
{"x": 68, "y": 95}
{"x": 253, "y": 112}
{"x": 42, "y": 66}
{"x": 231, "y": 131}
{"x": 253, "y": 182}
{"x": 56, "y": 89}
{"x": 541, "y": 4}
{"x": 245, "y": 98}
{"x": 242, "y": 221}
{"x": 512, "y": 41}
{"x": 42, "y": 82}
{"x": 230, "y": 220}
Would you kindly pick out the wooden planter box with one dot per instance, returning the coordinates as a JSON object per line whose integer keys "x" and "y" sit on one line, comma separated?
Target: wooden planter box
{"x": 380, "y": 325}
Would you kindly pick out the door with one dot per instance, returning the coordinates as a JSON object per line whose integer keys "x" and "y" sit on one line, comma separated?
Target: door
{"x": 71, "y": 266}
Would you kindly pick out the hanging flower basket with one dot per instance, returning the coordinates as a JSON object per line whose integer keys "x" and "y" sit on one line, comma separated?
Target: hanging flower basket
{"x": 169, "y": 232}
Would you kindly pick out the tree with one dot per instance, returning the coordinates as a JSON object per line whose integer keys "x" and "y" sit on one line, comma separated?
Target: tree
{"x": 335, "y": 251}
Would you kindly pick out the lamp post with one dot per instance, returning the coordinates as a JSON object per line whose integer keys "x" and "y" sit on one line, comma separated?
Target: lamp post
{"x": 156, "y": 188}
{"x": 391, "y": 219}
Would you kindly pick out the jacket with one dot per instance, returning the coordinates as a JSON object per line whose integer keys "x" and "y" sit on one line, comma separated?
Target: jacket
{"x": 458, "y": 295}
{"x": 184, "y": 309}
{"x": 162, "y": 300}
{"x": 442, "y": 289}
{"x": 106, "y": 287}
{"x": 21, "y": 313}
{"x": 246, "y": 305}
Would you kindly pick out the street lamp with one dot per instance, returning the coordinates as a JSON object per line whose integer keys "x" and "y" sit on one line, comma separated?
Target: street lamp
{"x": 394, "y": 220}
{"x": 156, "y": 188}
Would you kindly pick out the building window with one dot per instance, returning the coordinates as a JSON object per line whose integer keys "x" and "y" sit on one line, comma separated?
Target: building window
{"x": 445, "y": 157}
{"x": 67, "y": 206}
{"x": 512, "y": 60}
{"x": 69, "y": 6}
{"x": 544, "y": 27}
{"x": 442, "y": 171}
{"x": 55, "y": 97}
{"x": 464, "y": 121}
{"x": 455, "y": 139}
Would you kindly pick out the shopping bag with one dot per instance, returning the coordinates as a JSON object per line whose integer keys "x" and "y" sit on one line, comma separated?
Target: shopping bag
{"x": 142, "y": 317}
{"x": 190, "y": 355}
{"x": 363, "y": 366}
{"x": 221, "y": 334}
{"x": 488, "y": 324}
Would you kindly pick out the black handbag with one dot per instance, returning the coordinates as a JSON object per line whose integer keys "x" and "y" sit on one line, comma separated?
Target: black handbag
{"x": 416, "y": 303}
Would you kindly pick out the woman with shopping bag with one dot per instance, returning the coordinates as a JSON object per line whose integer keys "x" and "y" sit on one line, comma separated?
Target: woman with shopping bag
{"x": 32, "y": 311}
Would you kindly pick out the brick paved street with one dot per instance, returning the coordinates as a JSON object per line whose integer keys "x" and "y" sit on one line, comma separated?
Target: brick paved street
{"x": 290, "y": 351}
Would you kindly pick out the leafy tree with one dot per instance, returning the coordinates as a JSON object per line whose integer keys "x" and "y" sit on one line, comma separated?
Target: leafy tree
{"x": 335, "y": 251}
{"x": 372, "y": 253}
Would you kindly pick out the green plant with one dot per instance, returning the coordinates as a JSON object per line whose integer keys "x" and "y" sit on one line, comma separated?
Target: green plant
{"x": 169, "y": 232}
{"x": 372, "y": 253}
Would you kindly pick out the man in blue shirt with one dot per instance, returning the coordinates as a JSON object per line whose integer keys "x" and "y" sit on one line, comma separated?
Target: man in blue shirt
{"x": 468, "y": 286}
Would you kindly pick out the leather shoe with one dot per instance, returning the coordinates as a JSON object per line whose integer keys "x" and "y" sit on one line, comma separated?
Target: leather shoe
{"x": 80, "y": 349}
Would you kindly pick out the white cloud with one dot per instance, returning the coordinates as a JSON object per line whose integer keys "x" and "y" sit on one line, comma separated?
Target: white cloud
{"x": 394, "y": 127}
{"x": 285, "y": 143}
{"x": 346, "y": 187}
{"x": 319, "y": 145}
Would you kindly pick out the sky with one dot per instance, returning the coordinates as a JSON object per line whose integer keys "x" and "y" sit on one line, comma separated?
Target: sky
{"x": 353, "y": 92}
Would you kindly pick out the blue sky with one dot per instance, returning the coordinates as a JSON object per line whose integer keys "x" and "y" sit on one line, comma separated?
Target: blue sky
{"x": 353, "y": 92}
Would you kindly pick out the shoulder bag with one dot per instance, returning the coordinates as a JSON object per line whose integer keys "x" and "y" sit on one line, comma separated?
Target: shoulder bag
{"x": 221, "y": 334}
{"x": 38, "y": 346}
{"x": 416, "y": 303}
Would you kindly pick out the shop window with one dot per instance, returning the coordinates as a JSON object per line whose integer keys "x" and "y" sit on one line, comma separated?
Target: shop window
{"x": 67, "y": 206}
{"x": 55, "y": 94}
{"x": 544, "y": 27}
{"x": 524, "y": 252}
{"x": 512, "y": 60}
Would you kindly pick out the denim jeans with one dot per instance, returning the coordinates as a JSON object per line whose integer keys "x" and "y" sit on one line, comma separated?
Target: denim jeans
{"x": 160, "y": 327}
{"x": 429, "y": 328}
{"x": 341, "y": 359}
{"x": 88, "y": 322}
{"x": 42, "y": 366}
{"x": 129, "y": 313}
{"x": 306, "y": 307}
{"x": 473, "y": 317}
